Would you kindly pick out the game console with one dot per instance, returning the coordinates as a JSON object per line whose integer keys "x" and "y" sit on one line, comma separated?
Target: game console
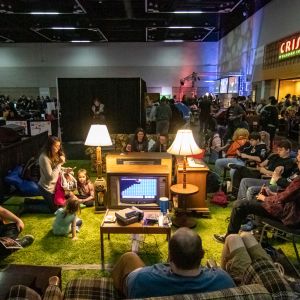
{"x": 129, "y": 215}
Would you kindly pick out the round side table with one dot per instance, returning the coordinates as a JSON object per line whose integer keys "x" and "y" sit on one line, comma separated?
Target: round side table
{"x": 181, "y": 219}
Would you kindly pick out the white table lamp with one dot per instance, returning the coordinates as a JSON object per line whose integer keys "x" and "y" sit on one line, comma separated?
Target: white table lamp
{"x": 184, "y": 144}
{"x": 98, "y": 136}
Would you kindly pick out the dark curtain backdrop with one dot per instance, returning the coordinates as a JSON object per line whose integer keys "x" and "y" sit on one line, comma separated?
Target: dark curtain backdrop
{"x": 123, "y": 99}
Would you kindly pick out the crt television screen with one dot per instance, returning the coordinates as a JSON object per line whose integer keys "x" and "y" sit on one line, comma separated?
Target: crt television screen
{"x": 138, "y": 190}
{"x": 224, "y": 85}
{"x": 233, "y": 84}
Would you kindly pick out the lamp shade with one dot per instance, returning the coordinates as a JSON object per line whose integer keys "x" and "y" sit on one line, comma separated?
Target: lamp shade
{"x": 98, "y": 136}
{"x": 184, "y": 144}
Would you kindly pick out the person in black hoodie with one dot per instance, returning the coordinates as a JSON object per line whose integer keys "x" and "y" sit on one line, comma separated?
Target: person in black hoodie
{"x": 269, "y": 118}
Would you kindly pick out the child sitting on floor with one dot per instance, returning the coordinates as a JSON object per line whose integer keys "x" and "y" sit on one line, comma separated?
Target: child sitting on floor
{"x": 85, "y": 188}
{"x": 66, "y": 220}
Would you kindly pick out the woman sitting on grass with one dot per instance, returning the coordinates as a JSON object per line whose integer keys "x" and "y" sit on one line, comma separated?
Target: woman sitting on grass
{"x": 50, "y": 160}
{"x": 66, "y": 220}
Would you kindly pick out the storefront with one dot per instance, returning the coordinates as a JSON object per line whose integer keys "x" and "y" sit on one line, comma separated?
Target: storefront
{"x": 280, "y": 72}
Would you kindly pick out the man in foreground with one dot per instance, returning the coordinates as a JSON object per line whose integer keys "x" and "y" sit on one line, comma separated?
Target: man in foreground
{"x": 243, "y": 258}
{"x": 183, "y": 274}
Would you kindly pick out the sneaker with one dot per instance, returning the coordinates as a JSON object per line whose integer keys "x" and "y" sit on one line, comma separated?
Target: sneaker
{"x": 77, "y": 229}
{"x": 54, "y": 280}
{"x": 26, "y": 241}
{"x": 234, "y": 166}
{"x": 220, "y": 238}
{"x": 248, "y": 226}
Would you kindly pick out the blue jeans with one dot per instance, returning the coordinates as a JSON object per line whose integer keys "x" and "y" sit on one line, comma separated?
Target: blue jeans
{"x": 241, "y": 209}
{"x": 221, "y": 163}
{"x": 43, "y": 207}
{"x": 249, "y": 187}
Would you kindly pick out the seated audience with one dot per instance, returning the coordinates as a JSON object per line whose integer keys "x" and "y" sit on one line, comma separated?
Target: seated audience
{"x": 249, "y": 187}
{"x": 251, "y": 152}
{"x": 161, "y": 145}
{"x": 139, "y": 142}
{"x": 239, "y": 139}
{"x": 265, "y": 168}
{"x": 51, "y": 160}
{"x": 183, "y": 274}
{"x": 10, "y": 227}
{"x": 283, "y": 206}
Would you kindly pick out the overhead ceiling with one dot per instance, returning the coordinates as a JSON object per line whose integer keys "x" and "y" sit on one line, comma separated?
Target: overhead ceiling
{"x": 23, "y": 21}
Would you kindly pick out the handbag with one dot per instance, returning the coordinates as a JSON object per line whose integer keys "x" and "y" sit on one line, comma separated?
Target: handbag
{"x": 219, "y": 198}
{"x": 68, "y": 181}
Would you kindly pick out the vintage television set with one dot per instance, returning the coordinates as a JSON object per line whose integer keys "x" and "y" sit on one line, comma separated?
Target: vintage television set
{"x": 140, "y": 190}
{"x": 138, "y": 179}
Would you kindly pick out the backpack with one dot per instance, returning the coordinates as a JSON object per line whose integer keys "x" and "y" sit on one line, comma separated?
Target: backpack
{"x": 213, "y": 182}
{"x": 219, "y": 198}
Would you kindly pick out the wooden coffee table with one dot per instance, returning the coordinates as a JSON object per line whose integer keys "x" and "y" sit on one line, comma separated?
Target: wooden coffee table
{"x": 135, "y": 228}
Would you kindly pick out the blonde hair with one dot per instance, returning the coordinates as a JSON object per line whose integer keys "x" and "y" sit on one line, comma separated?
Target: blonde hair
{"x": 240, "y": 133}
{"x": 265, "y": 138}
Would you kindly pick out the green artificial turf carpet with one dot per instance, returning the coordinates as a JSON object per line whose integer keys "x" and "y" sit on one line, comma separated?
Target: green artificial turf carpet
{"x": 83, "y": 255}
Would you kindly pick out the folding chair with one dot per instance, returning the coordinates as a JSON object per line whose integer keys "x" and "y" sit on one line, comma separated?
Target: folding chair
{"x": 290, "y": 234}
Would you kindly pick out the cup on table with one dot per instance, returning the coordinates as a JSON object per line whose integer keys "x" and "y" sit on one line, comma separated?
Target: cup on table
{"x": 164, "y": 204}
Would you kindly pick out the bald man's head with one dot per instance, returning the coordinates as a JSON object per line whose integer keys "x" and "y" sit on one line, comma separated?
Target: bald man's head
{"x": 185, "y": 249}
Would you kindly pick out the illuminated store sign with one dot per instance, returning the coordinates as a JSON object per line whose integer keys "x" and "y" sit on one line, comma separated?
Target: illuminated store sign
{"x": 289, "y": 48}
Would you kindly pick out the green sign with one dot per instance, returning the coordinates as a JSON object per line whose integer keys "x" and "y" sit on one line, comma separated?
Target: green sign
{"x": 289, "y": 54}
